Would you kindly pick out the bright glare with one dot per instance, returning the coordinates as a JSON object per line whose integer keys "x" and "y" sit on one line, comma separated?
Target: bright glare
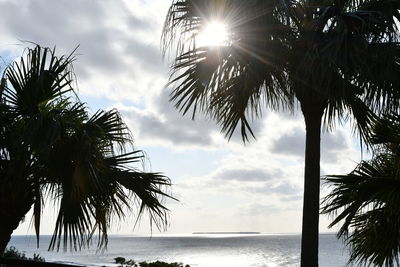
{"x": 214, "y": 34}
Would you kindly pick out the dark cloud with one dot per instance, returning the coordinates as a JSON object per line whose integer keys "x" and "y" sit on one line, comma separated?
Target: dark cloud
{"x": 168, "y": 125}
{"x": 332, "y": 146}
{"x": 151, "y": 126}
{"x": 66, "y": 24}
{"x": 293, "y": 144}
{"x": 138, "y": 24}
{"x": 149, "y": 55}
{"x": 201, "y": 120}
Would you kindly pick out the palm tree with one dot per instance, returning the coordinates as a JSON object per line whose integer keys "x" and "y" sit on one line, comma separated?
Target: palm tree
{"x": 367, "y": 200}
{"x": 51, "y": 149}
{"x": 335, "y": 59}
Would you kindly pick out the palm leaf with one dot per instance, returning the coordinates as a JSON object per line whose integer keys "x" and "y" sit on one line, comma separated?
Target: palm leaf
{"x": 365, "y": 201}
{"x": 51, "y": 148}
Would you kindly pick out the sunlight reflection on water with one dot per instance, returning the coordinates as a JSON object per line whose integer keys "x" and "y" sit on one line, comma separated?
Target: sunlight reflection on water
{"x": 197, "y": 251}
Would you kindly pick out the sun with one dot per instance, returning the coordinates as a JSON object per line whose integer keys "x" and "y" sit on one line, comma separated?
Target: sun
{"x": 214, "y": 34}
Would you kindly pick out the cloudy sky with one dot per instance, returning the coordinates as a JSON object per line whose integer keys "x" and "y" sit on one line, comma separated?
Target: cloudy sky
{"x": 221, "y": 185}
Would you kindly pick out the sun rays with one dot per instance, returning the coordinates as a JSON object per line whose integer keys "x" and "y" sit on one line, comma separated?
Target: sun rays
{"x": 214, "y": 34}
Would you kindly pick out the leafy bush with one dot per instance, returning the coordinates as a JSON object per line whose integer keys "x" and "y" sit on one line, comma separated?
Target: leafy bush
{"x": 119, "y": 260}
{"x": 13, "y": 253}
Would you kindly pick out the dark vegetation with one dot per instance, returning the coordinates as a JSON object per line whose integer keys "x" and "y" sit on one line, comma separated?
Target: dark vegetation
{"x": 366, "y": 201}
{"x": 52, "y": 148}
{"x": 131, "y": 263}
{"x": 334, "y": 60}
{"x": 13, "y": 253}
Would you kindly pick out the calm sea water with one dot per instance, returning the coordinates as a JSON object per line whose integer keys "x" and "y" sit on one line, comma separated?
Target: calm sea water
{"x": 196, "y": 250}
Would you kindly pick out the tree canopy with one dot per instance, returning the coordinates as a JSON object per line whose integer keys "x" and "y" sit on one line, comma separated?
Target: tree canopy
{"x": 52, "y": 149}
{"x": 366, "y": 201}
{"x": 335, "y": 59}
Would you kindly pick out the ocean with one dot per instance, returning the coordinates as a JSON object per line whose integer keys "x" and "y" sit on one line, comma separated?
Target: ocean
{"x": 203, "y": 250}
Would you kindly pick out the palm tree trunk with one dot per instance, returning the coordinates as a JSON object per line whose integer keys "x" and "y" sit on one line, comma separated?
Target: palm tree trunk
{"x": 14, "y": 205}
{"x": 8, "y": 225}
{"x": 309, "y": 241}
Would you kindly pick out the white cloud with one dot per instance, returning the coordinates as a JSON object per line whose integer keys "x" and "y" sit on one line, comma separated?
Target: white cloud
{"x": 120, "y": 65}
{"x": 119, "y": 54}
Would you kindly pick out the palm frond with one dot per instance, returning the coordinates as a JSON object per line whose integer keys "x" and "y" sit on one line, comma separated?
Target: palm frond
{"x": 233, "y": 82}
{"x": 51, "y": 148}
{"x": 38, "y": 79}
{"x": 97, "y": 183}
{"x": 109, "y": 126}
{"x": 366, "y": 200}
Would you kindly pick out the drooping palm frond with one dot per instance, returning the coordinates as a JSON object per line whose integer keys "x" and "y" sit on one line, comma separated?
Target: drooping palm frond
{"x": 281, "y": 50}
{"x": 234, "y": 82}
{"x": 51, "y": 148}
{"x": 96, "y": 183}
{"x": 366, "y": 200}
{"x": 363, "y": 46}
{"x": 339, "y": 59}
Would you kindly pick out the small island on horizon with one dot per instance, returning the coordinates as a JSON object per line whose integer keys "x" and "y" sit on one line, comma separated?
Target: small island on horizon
{"x": 225, "y": 233}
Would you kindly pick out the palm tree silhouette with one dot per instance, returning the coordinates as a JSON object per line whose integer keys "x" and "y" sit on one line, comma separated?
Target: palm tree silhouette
{"x": 335, "y": 59}
{"x": 50, "y": 148}
{"x": 366, "y": 200}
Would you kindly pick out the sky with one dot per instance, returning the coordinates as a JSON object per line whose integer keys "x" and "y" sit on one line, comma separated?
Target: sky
{"x": 221, "y": 185}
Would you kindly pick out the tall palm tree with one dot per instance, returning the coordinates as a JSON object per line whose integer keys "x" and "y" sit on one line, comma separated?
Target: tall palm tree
{"x": 366, "y": 201}
{"x": 51, "y": 149}
{"x": 335, "y": 59}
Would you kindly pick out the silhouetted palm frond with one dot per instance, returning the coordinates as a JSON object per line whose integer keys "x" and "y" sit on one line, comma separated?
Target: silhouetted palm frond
{"x": 281, "y": 50}
{"x": 51, "y": 148}
{"x": 366, "y": 200}
{"x": 337, "y": 60}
